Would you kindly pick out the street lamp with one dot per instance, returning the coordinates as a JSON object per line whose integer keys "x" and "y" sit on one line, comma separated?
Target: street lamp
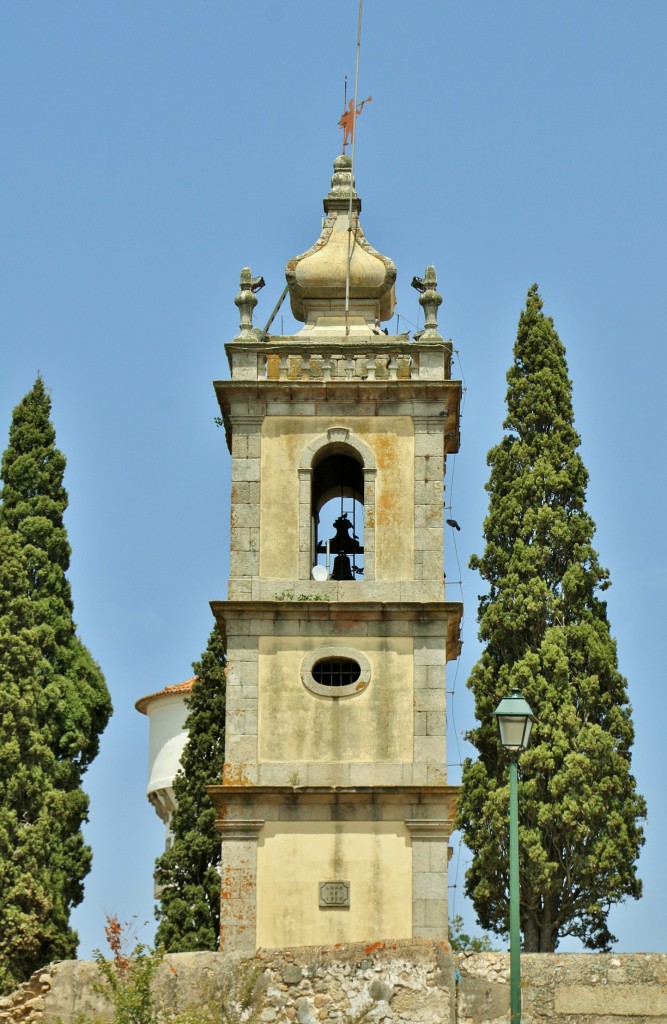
{"x": 515, "y": 722}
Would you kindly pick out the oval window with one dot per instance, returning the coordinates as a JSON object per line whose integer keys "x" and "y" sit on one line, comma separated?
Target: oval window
{"x": 335, "y": 671}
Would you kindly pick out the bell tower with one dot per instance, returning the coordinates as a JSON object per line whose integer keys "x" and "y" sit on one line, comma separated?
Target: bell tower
{"x": 334, "y": 808}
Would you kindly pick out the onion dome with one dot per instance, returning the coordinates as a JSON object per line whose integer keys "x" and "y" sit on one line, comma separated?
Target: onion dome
{"x": 318, "y": 279}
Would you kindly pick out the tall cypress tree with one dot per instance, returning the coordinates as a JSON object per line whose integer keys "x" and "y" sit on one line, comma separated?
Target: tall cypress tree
{"x": 74, "y": 704}
{"x": 36, "y": 851}
{"x": 33, "y": 502}
{"x": 188, "y": 873}
{"x": 546, "y": 632}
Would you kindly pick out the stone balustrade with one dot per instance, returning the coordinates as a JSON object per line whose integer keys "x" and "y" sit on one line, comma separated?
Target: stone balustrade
{"x": 387, "y": 359}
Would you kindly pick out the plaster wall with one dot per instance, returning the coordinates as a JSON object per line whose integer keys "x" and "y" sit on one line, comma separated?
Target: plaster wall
{"x": 375, "y": 725}
{"x": 293, "y": 858}
{"x": 167, "y": 737}
{"x": 283, "y": 442}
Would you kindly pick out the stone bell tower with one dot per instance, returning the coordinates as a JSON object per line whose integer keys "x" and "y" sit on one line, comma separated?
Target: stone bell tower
{"x": 334, "y": 808}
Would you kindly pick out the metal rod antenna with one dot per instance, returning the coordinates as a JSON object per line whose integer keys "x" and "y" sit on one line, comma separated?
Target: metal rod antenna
{"x": 275, "y": 309}
{"x": 354, "y": 139}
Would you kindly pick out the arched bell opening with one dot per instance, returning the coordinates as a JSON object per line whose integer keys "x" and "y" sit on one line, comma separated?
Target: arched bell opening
{"x": 337, "y": 513}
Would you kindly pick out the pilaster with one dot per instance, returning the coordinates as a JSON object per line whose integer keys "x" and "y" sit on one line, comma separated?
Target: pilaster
{"x": 429, "y": 876}
{"x": 238, "y": 882}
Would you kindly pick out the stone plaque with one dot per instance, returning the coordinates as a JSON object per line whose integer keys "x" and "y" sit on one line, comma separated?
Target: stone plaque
{"x": 334, "y": 894}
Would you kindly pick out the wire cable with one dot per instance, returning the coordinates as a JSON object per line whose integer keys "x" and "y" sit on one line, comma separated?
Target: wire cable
{"x": 350, "y": 239}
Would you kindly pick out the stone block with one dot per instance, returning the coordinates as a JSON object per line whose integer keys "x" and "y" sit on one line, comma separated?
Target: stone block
{"x": 253, "y": 492}
{"x": 414, "y": 775}
{"x": 429, "y": 493}
{"x": 435, "y": 722}
{"x": 245, "y": 470}
{"x": 427, "y": 885}
{"x": 245, "y": 673}
{"x": 429, "y": 750}
{"x": 430, "y": 700}
{"x": 431, "y": 444}
{"x": 249, "y": 723}
{"x": 240, "y": 539}
{"x": 239, "y": 589}
{"x": 363, "y": 774}
{"x": 242, "y": 752}
{"x": 245, "y": 515}
{"x": 436, "y": 915}
{"x": 418, "y": 915}
{"x": 328, "y": 774}
{"x": 429, "y": 539}
{"x": 426, "y": 626}
{"x": 271, "y": 774}
{"x": 284, "y": 627}
{"x": 387, "y": 774}
{"x": 429, "y": 652}
{"x": 604, "y": 1000}
{"x": 241, "y": 649}
{"x": 438, "y": 857}
{"x": 421, "y": 862}
{"x": 436, "y": 775}
{"x": 239, "y": 446}
{"x": 420, "y": 723}
{"x": 435, "y": 676}
{"x": 432, "y": 364}
{"x": 259, "y": 627}
{"x": 244, "y": 563}
{"x": 303, "y": 810}
{"x": 401, "y": 408}
{"x": 394, "y": 628}
{"x": 428, "y": 590}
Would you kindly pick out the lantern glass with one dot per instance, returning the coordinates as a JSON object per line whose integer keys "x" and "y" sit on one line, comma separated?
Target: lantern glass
{"x": 515, "y": 722}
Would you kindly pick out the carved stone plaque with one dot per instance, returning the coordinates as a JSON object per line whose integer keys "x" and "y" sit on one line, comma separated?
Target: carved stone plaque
{"x": 334, "y": 894}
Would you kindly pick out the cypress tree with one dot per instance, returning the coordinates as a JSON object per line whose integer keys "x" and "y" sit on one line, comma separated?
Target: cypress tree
{"x": 546, "y": 632}
{"x": 33, "y": 502}
{"x": 73, "y": 706}
{"x": 36, "y": 846}
{"x": 188, "y": 873}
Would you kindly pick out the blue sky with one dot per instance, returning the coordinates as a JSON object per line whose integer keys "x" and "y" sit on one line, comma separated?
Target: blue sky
{"x": 152, "y": 149}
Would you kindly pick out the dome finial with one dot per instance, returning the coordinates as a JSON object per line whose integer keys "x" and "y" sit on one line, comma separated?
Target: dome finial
{"x": 318, "y": 280}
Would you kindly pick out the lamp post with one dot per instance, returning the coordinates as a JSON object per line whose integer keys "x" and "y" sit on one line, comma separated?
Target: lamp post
{"x": 515, "y": 722}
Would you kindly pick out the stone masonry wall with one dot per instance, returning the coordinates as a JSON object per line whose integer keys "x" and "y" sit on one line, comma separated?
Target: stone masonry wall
{"x": 568, "y": 988}
{"x": 411, "y": 981}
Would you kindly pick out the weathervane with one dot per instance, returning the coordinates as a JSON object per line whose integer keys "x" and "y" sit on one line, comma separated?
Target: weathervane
{"x": 348, "y": 119}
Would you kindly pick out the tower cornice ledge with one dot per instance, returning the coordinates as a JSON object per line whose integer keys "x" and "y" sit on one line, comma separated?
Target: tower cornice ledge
{"x": 252, "y": 618}
{"x": 340, "y": 388}
{"x": 223, "y": 790}
{"x": 345, "y": 397}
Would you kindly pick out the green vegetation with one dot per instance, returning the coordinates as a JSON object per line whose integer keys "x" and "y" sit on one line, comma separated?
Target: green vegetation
{"x": 53, "y": 705}
{"x": 188, "y": 873}
{"x": 127, "y": 983}
{"x": 33, "y": 918}
{"x": 461, "y": 942}
{"x": 546, "y": 632}
{"x": 126, "y": 980}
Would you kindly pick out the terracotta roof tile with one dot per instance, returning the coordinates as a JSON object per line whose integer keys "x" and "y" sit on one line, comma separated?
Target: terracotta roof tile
{"x": 177, "y": 688}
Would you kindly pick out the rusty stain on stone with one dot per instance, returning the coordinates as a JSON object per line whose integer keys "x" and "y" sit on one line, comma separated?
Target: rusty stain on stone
{"x": 234, "y": 775}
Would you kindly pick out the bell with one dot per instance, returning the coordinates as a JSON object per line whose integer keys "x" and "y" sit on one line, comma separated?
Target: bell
{"x": 342, "y": 569}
